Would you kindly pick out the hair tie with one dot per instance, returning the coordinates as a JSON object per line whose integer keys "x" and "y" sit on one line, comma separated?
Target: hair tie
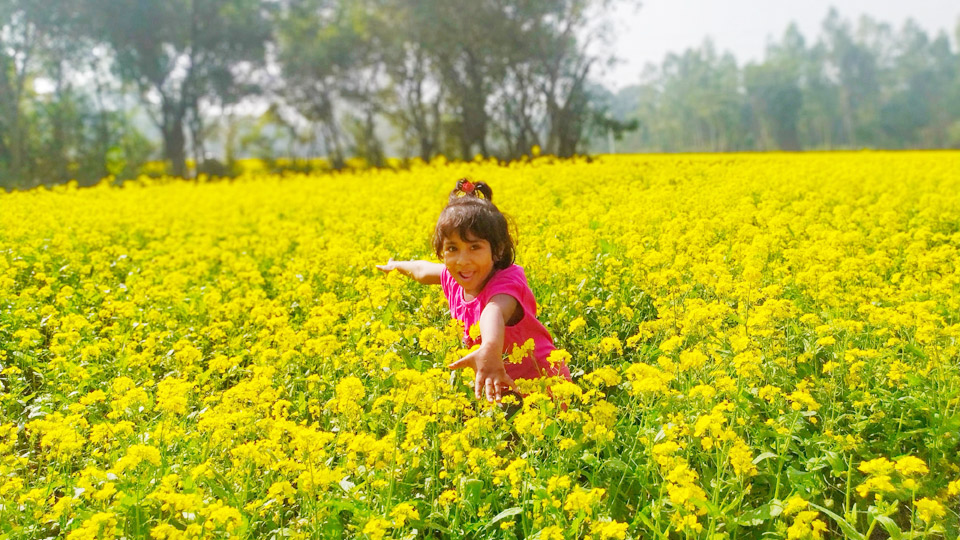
{"x": 467, "y": 187}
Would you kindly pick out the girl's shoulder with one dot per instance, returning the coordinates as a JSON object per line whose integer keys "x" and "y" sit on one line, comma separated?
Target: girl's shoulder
{"x": 511, "y": 273}
{"x": 510, "y": 280}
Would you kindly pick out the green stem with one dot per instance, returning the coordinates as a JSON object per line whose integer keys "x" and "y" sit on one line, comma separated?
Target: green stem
{"x": 913, "y": 514}
{"x": 870, "y": 528}
{"x": 783, "y": 460}
{"x": 846, "y": 498}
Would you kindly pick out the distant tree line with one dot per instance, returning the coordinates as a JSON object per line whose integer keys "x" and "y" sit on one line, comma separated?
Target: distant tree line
{"x": 452, "y": 77}
{"x": 91, "y": 88}
{"x": 863, "y": 85}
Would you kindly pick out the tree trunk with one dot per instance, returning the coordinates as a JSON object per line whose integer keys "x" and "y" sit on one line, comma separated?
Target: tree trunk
{"x": 59, "y": 129}
{"x": 103, "y": 128}
{"x": 174, "y": 142}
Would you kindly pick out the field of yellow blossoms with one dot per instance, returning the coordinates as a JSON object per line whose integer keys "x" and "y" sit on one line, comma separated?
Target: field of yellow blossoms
{"x": 763, "y": 346}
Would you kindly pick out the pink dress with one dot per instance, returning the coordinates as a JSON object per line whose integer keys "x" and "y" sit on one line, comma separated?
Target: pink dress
{"x": 511, "y": 281}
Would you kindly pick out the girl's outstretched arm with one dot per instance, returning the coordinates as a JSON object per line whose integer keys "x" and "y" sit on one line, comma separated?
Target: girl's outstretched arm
{"x": 487, "y": 361}
{"x": 425, "y": 272}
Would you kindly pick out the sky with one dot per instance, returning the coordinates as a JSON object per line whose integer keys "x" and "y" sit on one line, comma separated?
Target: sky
{"x": 743, "y": 27}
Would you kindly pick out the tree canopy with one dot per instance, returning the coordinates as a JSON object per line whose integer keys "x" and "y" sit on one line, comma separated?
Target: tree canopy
{"x": 90, "y": 88}
{"x": 863, "y": 85}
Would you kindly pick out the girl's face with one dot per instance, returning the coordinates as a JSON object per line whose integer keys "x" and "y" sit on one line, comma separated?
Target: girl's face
{"x": 469, "y": 260}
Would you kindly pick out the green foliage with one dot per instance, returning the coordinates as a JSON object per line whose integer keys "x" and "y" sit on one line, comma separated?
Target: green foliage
{"x": 854, "y": 87}
{"x": 82, "y": 80}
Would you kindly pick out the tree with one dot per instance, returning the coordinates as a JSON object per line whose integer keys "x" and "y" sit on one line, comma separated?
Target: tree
{"x": 774, "y": 93}
{"x": 327, "y": 56}
{"x": 179, "y": 52}
{"x": 19, "y": 43}
{"x": 856, "y": 69}
{"x": 414, "y": 93}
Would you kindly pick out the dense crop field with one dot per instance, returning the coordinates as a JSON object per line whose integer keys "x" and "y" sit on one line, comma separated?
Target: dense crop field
{"x": 762, "y": 346}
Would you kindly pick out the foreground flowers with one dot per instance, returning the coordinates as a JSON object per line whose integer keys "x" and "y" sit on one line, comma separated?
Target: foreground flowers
{"x": 763, "y": 345}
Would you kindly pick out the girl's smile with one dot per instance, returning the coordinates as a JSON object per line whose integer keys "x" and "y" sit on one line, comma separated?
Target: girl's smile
{"x": 469, "y": 261}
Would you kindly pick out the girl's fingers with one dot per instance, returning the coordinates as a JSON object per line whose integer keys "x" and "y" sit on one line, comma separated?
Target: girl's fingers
{"x": 491, "y": 390}
{"x": 466, "y": 361}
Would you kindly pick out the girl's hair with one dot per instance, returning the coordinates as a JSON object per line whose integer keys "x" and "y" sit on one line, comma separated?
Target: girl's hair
{"x": 471, "y": 213}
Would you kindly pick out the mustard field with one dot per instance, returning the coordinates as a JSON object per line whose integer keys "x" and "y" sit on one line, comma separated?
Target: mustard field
{"x": 762, "y": 346}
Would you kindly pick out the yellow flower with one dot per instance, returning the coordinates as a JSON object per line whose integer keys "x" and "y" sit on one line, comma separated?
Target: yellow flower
{"x": 282, "y": 491}
{"x": 953, "y": 489}
{"x": 520, "y": 352}
{"x": 558, "y": 483}
{"x": 576, "y": 325}
{"x": 880, "y": 465}
{"x": 826, "y": 341}
{"x": 608, "y": 530}
{"x": 100, "y": 526}
{"x": 551, "y": 533}
{"x": 911, "y": 466}
{"x": 559, "y": 356}
{"x": 682, "y": 487}
{"x": 704, "y": 391}
{"x": 610, "y": 344}
{"x": 166, "y": 531}
{"x": 686, "y": 523}
{"x": 801, "y": 399}
{"x": 671, "y": 344}
{"x": 604, "y": 376}
{"x": 692, "y": 359}
{"x": 402, "y": 513}
{"x": 741, "y": 459}
{"x": 877, "y": 484}
{"x": 794, "y": 504}
{"x": 172, "y": 394}
{"x": 645, "y": 378}
{"x": 433, "y": 340}
{"x": 581, "y": 500}
{"x": 806, "y": 527}
{"x": 137, "y": 454}
{"x": 929, "y": 509}
{"x": 376, "y": 528}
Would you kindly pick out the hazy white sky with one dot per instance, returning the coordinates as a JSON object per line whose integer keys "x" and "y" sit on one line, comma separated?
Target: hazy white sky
{"x": 744, "y": 27}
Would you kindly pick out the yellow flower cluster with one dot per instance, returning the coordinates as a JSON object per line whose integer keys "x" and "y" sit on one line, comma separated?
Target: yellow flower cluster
{"x": 747, "y": 335}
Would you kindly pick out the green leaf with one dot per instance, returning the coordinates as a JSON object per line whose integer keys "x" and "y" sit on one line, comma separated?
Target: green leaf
{"x": 837, "y": 464}
{"x": 763, "y": 457}
{"x": 387, "y": 316}
{"x": 712, "y": 509}
{"x": 845, "y": 526}
{"x": 472, "y": 489}
{"x": 505, "y": 514}
{"x": 616, "y": 464}
{"x": 645, "y": 519}
{"x": 890, "y": 526}
{"x": 431, "y": 525}
{"x": 760, "y": 514}
{"x": 806, "y": 479}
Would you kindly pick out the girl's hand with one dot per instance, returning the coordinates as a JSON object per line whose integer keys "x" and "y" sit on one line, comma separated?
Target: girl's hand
{"x": 425, "y": 272}
{"x": 492, "y": 378}
{"x": 390, "y": 266}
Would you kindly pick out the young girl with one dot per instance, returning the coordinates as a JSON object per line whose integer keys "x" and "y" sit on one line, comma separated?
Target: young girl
{"x": 483, "y": 287}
